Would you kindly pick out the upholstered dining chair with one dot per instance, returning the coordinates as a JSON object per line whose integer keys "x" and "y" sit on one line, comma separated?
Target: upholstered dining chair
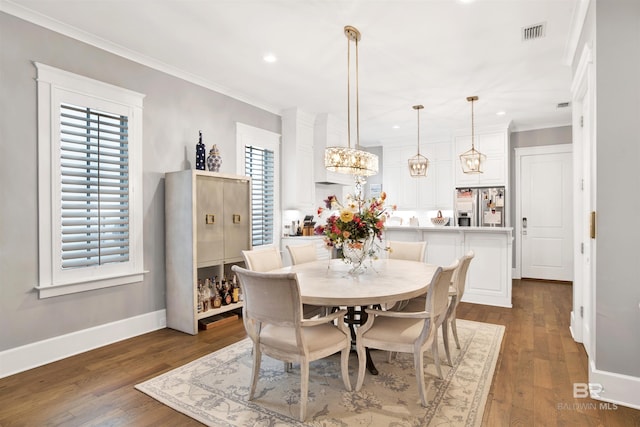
{"x": 411, "y": 251}
{"x": 267, "y": 259}
{"x": 302, "y": 253}
{"x": 407, "y": 332}
{"x": 456, "y": 292}
{"x": 262, "y": 259}
{"x": 273, "y": 307}
{"x": 458, "y": 282}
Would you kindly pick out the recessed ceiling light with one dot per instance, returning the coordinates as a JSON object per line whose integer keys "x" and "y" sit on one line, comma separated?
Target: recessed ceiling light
{"x": 466, "y": 1}
{"x": 396, "y": 127}
{"x": 269, "y": 57}
{"x": 501, "y": 113}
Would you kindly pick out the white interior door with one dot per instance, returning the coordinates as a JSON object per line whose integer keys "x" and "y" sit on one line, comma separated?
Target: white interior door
{"x": 546, "y": 212}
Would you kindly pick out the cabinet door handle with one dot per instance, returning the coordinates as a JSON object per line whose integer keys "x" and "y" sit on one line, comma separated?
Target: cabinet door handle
{"x": 236, "y": 219}
{"x": 524, "y": 222}
{"x": 209, "y": 219}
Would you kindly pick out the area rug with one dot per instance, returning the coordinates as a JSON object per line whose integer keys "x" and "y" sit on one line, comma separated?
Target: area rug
{"x": 214, "y": 388}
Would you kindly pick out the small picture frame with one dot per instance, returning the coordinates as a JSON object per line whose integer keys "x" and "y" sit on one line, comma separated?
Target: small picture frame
{"x": 376, "y": 190}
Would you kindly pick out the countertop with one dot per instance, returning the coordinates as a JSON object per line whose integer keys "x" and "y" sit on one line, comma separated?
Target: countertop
{"x": 450, "y": 229}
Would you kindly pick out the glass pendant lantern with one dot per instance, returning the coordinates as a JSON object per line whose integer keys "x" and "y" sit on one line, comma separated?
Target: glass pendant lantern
{"x": 418, "y": 164}
{"x": 472, "y": 160}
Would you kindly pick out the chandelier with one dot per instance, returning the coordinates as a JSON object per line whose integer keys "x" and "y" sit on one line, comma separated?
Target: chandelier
{"x": 418, "y": 164}
{"x": 349, "y": 160}
{"x": 472, "y": 160}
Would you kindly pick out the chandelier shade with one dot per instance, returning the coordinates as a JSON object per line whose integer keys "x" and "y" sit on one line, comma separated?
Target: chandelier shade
{"x": 418, "y": 164}
{"x": 348, "y": 160}
{"x": 472, "y": 161}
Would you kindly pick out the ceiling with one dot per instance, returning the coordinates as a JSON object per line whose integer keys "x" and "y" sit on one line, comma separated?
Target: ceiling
{"x": 429, "y": 52}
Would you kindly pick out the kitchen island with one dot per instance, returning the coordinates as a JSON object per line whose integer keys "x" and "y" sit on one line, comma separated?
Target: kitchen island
{"x": 489, "y": 275}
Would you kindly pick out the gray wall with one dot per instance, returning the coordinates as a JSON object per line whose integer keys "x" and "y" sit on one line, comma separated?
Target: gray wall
{"x": 174, "y": 112}
{"x": 617, "y": 294}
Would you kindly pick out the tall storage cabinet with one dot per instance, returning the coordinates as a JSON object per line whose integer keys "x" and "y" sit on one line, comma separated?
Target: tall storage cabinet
{"x": 208, "y": 224}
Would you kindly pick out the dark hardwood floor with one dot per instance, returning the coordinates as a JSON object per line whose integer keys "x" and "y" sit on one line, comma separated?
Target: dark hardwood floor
{"x": 532, "y": 385}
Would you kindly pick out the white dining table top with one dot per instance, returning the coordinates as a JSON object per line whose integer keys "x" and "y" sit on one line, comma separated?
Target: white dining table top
{"x": 327, "y": 282}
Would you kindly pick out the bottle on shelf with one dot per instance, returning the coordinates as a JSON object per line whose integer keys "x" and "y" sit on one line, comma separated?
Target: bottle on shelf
{"x": 217, "y": 297}
{"x": 235, "y": 293}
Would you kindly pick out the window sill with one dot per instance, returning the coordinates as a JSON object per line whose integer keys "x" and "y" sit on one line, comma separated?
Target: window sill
{"x": 48, "y": 291}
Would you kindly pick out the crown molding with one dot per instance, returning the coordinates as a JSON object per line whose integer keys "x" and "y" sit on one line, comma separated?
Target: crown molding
{"x": 44, "y": 21}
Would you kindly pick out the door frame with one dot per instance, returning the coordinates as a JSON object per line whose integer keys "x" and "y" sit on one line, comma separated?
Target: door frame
{"x": 582, "y": 315}
{"x": 521, "y": 152}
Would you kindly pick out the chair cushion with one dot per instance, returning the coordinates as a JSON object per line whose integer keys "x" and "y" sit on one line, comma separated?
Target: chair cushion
{"x": 395, "y": 330}
{"x": 316, "y": 337}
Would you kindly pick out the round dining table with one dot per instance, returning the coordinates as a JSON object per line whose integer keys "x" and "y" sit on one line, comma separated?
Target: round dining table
{"x": 328, "y": 283}
{"x": 385, "y": 281}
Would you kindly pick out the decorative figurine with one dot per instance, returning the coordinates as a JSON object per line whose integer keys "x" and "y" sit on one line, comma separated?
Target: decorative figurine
{"x": 214, "y": 161}
{"x": 200, "y": 153}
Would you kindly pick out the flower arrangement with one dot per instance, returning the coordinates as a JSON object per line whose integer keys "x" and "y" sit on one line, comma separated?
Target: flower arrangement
{"x": 358, "y": 221}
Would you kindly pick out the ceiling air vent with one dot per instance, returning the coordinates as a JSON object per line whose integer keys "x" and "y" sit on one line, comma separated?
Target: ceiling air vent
{"x": 563, "y": 104}
{"x": 533, "y": 32}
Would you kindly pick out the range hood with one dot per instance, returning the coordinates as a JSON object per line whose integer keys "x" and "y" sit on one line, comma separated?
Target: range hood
{"x": 329, "y": 131}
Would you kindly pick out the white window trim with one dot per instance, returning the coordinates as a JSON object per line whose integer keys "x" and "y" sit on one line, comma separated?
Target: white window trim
{"x": 250, "y": 135}
{"x": 52, "y": 85}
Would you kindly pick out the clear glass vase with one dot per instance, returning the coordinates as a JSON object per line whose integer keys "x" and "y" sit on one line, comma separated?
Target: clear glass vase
{"x": 356, "y": 252}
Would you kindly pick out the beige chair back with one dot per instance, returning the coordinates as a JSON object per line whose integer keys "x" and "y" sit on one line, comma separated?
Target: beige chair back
{"x": 271, "y": 298}
{"x": 411, "y": 251}
{"x": 302, "y": 253}
{"x": 437, "y": 301}
{"x": 459, "y": 279}
{"x": 263, "y": 259}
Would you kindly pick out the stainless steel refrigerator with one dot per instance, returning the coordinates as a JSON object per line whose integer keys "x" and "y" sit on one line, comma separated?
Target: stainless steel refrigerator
{"x": 480, "y": 206}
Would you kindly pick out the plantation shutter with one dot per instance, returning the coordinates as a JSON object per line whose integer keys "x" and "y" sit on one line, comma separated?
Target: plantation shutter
{"x": 94, "y": 166}
{"x": 259, "y": 165}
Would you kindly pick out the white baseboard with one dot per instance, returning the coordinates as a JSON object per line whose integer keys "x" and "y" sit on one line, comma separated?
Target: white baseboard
{"x": 616, "y": 388}
{"x": 40, "y": 353}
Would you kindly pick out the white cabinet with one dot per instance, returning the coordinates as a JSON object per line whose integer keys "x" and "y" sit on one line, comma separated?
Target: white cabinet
{"x": 435, "y": 191}
{"x": 329, "y": 132}
{"x": 494, "y": 145}
{"x": 207, "y": 225}
{"x": 489, "y": 275}
{"x": 298, "y": 188}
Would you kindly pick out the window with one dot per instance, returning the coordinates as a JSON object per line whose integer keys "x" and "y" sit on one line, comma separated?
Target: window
{"x": 259, "y": 165}
{"x": 90, "y": 195}
{"x": 258, "y": 157}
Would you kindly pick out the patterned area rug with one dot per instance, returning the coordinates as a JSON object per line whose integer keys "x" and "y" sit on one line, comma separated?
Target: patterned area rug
{"x": 213, "y": 389}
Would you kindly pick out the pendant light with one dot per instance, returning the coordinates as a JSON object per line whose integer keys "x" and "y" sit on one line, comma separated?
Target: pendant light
{"x": 418, "y": 164}
{"x": 472, "y": 161}
{"x": 349, "y": 160}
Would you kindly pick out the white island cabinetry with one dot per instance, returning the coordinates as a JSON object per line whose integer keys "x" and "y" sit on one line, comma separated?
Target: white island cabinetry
{"x": 489, "y": 276}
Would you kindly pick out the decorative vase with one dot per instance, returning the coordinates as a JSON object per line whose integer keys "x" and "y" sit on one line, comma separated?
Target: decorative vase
{"x": 214, "y": 161}
{"x": 200, "y": 153}
{"x": 356, "y": 252}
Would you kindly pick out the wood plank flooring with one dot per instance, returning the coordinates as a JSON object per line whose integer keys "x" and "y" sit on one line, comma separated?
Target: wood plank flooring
{"x": 532, "y": 385}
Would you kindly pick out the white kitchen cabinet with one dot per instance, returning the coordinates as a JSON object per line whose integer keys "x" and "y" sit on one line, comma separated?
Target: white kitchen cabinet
{"x": 329, "y": 131}
{"x": 435, "y": 191}
{"x": 494, "y": 144}
{"x": 298, "y": 188}
{"x": 207, "y": 225}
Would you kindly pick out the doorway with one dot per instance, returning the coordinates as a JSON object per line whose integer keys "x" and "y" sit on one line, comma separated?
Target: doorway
{"x": 544, "y": 220}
